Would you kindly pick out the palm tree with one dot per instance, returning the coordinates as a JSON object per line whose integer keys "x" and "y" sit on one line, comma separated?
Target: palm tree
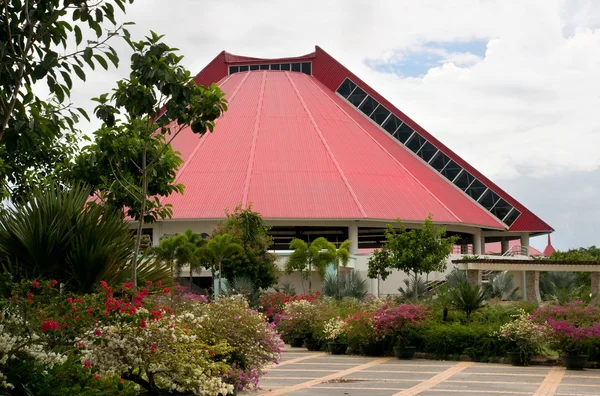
{"x": 342, "y": 256}
{"x": 501, "y": 286}
{"x": 215, "y": 251}
{"x": 318, "y": 254}
{"x": 413, "y": 289}
{"x": 166, "y": 251}
{"x": 468, "y": 298}
{"x": 188, "y": 243}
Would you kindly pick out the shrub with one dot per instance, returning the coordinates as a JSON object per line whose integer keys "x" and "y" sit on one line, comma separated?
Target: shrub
{"x": 390, "y": 320}
{"x": 524, "y": 336}
{"x": 296, "y": 318}
{"x": 467, "y": 298}
{"x": 271, "y": 304}
{"x": 345, "y": 285}
{"x": 360, "y": 329}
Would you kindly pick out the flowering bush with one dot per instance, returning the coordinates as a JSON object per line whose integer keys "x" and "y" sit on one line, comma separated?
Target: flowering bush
{"x": 359, "y": 329}
{"x": 296, "y": 318}
{"x": 334, "y": 330}
{"x": 158, "y": 338}
{"x": 573, "y": 326}
{"x": 524, "y": 336}
{"x": 272, "y": 304}
{"x": 396, "y": 320}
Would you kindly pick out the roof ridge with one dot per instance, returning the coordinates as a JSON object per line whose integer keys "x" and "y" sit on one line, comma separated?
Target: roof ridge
{"x": 327, "y": 148}
{"x": 203, "y": 137}
{"x": 389, "y": 154}
{"x": 254, "y": 138}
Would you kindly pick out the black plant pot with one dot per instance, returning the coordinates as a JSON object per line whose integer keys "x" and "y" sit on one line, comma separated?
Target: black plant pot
{"x": 405, "y": 352}
{"x": 574, "y": 362}
{"x": 297, "y": 342}
{"x": 514, "y": 357}
{"x": 337, "y": 348}
{"x": 312, "y": 344}
{"x": 371, "y": 349}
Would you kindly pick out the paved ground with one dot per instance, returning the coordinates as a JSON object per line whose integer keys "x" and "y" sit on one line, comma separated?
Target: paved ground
{"x": 313, "y": 373}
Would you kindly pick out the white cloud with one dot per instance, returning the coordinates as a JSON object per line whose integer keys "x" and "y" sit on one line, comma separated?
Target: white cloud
{"x": 530, "y": 107}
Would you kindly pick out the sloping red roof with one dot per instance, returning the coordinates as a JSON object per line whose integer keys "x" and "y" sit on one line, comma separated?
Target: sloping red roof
{"x": 549, "y": 248}
{"x": 495, "y": 248}
{"x": 295, "y": 149}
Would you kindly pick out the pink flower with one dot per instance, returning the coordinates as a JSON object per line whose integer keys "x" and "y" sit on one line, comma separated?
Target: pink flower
{"x": 70, "y": 300}
{"x": 159, "y": 283}
{"x": 127, "y": 285}
{"x": 54, "y": 282}
{"x": 86, "y": 364}
{"x": 149, "y": 283}
{"x": 50, "y": 325}
{"x": 166, "y": 290}
{"x": 96, "y": 376}
{"x": 35, "y": 284}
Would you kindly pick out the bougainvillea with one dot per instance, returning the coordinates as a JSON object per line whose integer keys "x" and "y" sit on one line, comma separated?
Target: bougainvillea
{"x": 272, "y": 304}
{"x": 392, "y": 319}
{"x": 525, "y": 336}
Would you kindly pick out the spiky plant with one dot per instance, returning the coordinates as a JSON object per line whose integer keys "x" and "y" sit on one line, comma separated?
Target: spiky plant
{"x": 501, "y": 286}
{"x": 345, "y": 285}
{"x": 550, "y": 282}
{"x": 408, "y": 292}
{"x": 456, "y": 277}
{"x": 467, "y": 298}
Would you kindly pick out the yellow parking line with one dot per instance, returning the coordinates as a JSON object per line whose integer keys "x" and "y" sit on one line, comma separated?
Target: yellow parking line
{"x": 551, "y": 382}
{"x": 435, "y": 380}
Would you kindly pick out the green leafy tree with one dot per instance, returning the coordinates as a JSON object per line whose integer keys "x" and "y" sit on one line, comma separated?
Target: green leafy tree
{"x": 418, "y": 251}
{"x": 318, "y": 255}
{"x": 256, "y": 262}
{"x": 467, "y": 298}
{"x": 57, "y": 235}
{"x": 131, "y": 165}
{"x": 216, "y": 251}
{"x": 179, "y": 250}
{"x": 38, "y": 137}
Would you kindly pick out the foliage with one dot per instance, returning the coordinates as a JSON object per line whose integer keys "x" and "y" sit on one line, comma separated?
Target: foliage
{"x": 318, "y": 255}
{"x": 155, "y": 337}
{"x": 408, "y": 292}
{"x": 255, "y": 262}
{"x": 179, "y": 249}
{"x": 131, "y": 164}
{"x": 574, "y": 325}
{"x": 524, "y": 336}
{"x": 272, "y": 304}
{"x": 394, "y": 320}
{"x": 417, "y": 251}
{"x": 360, "y": 329}
{"x": 501, "y": 287}
{"x": 296, "y": 318}
{"x": 56, "y": 234}
{"x": 286, "y": 288}
{"x": 467, "y": 298}
{"x": 339, "y": 286}
{"x": 334, "y": 330}
{"x": 456, "y": 277}
{"x": 38, "y": 138}
{"x": 213, "y": 253}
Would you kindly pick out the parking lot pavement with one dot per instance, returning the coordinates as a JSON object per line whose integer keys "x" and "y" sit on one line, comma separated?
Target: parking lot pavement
{"x": 317, "y": 373}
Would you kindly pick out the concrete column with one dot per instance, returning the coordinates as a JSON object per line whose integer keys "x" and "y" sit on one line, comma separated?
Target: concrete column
{"x": 504, "y": 246}
{"x": 477, "y": 239}
{"x": 532, "y": 284}
{"x": 474, "y": 277}
{"x": 595, "y": 283}
{"x": 353, "y": 237}
{"x": 525, "y": 243}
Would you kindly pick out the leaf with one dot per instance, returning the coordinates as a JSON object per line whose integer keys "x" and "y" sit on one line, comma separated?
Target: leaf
{"x": 113, "y": 58}
{"x": 102, "y": 61}
{"x": 67, "y": 79}
{"x": 83, "y": 113}
{"x": 79, "y": 72}
{"x": 78, "y": 35}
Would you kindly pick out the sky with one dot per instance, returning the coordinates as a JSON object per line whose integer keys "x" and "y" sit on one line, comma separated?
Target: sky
{"x": 513, "y": 87}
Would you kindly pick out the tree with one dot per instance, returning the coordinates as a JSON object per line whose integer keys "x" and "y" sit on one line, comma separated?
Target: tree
{"x": 418, "y": 251}
{"x": 319, "y": 254}
{"x": 217, "y": 250}
{"x": 256, "y": 262}
{"x": 179, "y": 250}
{"x": 342, "y": 256}
{"x": 131, "y": 165}
{"x": 37, "y": 137}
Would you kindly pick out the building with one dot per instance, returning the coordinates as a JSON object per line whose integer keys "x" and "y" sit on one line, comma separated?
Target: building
{"x": 318, "y": 152}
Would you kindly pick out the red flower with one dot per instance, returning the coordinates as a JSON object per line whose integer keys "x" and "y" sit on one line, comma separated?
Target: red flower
{"x": 159, "y": 283}
{"x": 96, "y": 376}
{"x": 86, "y": 364}
{"x": 36, "y": 284}
{"x": 152, "y": 348}
{"x": 143, "y": 323}
{"x": 50, "y": 325}
{"x": 54, "y": 282}
{"x": 149, "y": 283}
{"x": 29, "y": 295}
{"x": 98, "y": 332}
{"x": 70, "y": 300}
{"x": 166, "y": 290}
{"x": 127, "y": 285}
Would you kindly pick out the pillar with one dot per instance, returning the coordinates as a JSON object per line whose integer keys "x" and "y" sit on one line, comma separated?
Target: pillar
{"x": 532, "y": 283}
{"x": 525, "y": 244}
{"x": 595, "y": 283}
{"x": 504, "y": 246}
{"x": 477, "y": 245}
{"x": 353, "y": 237}
{"x": 474, "y": 277}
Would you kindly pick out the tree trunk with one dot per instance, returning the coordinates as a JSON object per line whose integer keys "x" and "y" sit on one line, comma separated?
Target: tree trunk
{"x": 138, "y": 239}
{"x": 416, "y": 285}
{"x": 220, "y": 285}
{"x": 309, "y": 277}
{"x": 191, "y": 274}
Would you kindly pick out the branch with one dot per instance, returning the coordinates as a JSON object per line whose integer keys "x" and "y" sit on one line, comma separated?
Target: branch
{"x": 121, "y": 183}
{"x": 98, "y": 44}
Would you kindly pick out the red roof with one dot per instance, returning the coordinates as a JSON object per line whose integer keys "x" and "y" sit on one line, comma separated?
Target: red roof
{"x": 495, "y": 248}
{"x": 549, "y": 248}
{"x": 297, "y": 150}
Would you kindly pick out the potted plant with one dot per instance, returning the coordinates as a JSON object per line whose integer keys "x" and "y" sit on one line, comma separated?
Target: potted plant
{"x": 361, "y": 332}
{"x": 573, "y": 326}
{"x": 294, "y": 322}
{"x": 398, "y": 322}
{"x": 525, "y": 338}
{"x": 334, "y": 333}
{"x": 325, "y": 310}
